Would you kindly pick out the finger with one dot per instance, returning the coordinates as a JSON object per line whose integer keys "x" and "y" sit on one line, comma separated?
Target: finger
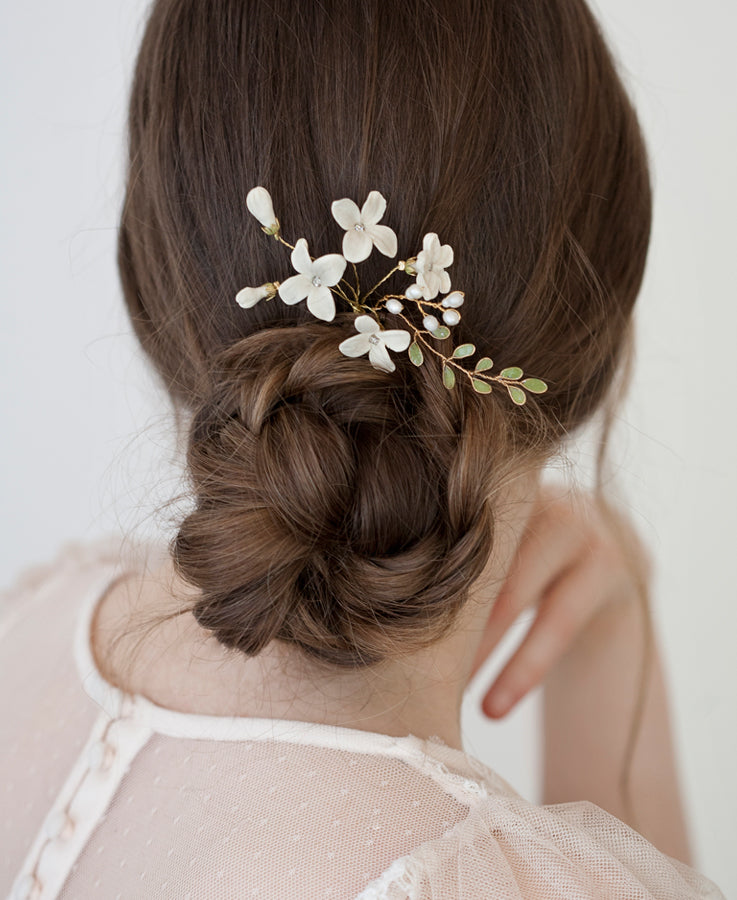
{"x": 562, "y": 614}
{"x": 545, "y": 551}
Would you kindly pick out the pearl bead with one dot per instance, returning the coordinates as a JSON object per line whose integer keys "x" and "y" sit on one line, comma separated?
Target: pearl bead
{"x": 394, "y": 306}
{"x": 451, "y": 317}
{"x": 413, "y": 292}
{"x": 454, "y": 299}
{"x": 430, "y": 323}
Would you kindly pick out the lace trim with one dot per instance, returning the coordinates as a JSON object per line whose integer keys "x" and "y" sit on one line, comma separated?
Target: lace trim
{"x": 402, "y": 875}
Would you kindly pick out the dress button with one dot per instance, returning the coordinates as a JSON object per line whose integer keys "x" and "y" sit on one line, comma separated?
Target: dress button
{"x": 27, "y": 888}
{"x": 59, "y": 825}
{"x": 101, "y": 755}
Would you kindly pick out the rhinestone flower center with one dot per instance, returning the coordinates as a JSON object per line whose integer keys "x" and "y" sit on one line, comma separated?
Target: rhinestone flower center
{"x": 316, "y": 281}
{"x": 373, "y": 339}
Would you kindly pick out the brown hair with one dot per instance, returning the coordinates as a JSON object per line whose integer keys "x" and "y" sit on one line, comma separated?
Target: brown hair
{"x": 341, "y": 509}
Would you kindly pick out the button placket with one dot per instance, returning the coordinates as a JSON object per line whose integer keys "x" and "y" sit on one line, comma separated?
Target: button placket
{"x": 59, "y": 825}
{"x": 101, "y": 755}
{"x": 89, "y": 787}
{"x": 28, "y": 888}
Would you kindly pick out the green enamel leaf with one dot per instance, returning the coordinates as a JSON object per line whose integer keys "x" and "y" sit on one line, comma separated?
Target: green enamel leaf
{"x": 517, "y": 394}
{"x": 415, "y": 353}
{"x": 441, "y": 332}
{"x": 535, "y": 385}
{"x": 511, "y": 372}
{"x": 481, "y": 387}
{"x": 464, "y": 350}
{"x": 449, "y": 377}
{"x": 483, "y": 364}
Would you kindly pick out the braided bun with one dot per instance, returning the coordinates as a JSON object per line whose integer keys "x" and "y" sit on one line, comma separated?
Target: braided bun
{"x": 337, "y": 508}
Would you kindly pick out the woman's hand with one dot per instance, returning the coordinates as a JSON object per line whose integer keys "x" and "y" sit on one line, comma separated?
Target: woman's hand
{"x": 575, "y": 558}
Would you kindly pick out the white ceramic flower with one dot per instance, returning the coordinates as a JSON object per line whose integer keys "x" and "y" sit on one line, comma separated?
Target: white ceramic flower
{"x": 375, "y": 340}
{"x": 250, "y": 296}
{"x": 314, "y": 281}
{"x": 431, "y": 263}
{"x": 361, "y": 229}
{"x": 258, "y": 201}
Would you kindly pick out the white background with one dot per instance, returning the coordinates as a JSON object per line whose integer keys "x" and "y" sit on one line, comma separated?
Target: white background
{"x": 86, "y": 441}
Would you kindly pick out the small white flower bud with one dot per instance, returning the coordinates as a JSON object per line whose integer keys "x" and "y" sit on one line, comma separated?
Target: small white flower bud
{"x": 258, "y": 201}
{"x": 250, "y": 296}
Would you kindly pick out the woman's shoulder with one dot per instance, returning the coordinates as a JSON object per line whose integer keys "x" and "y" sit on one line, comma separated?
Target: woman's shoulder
{"x": 510, "y": 847}
{"x": 71, "y": 567}
{"x": 76, "y": 558}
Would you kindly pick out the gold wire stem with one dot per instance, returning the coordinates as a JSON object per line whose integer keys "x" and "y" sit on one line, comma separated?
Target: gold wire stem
{"x": 356, "y": 299}
{"x": 337, "y": 289}
{"x": 357, "y": 289}
{"x": 282, "y": 241}
{"x": 418, "y": 332}
{"x": 379, "y": 283}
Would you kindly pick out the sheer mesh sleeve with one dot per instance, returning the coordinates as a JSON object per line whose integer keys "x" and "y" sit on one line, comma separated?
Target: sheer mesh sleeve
{"x": 509, "y": 848}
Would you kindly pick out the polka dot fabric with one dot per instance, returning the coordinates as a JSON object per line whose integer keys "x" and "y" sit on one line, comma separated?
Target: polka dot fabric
{"x": 108, "y": 795}
{"x": 45, "y": 715}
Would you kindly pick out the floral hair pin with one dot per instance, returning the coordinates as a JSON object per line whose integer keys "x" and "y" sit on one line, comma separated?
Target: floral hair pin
{"x": 318, "y": 280}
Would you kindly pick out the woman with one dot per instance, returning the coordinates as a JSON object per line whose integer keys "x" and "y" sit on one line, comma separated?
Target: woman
{"x": 271, "y": 705}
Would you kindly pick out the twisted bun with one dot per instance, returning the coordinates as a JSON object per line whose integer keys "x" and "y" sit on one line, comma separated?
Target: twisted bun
{"x": 338, "y": 508}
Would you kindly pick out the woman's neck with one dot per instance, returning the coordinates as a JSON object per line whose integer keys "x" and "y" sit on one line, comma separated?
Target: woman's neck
{"x": 180, "y": 665}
